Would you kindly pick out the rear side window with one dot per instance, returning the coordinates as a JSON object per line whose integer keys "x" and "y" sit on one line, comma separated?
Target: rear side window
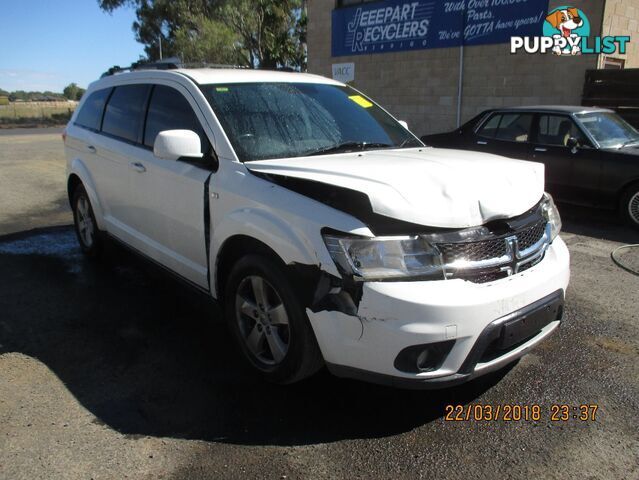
{"x": 514, "y": 127}
{"x": 90, "y": 115}
{"x": 169, "y": 110}
{"x": 510, "y": 127}
{"x": 125, "y": 112}
{"x": 489, "y": 129}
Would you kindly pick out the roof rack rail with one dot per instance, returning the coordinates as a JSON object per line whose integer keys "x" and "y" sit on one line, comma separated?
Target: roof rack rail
{"x": 162, "y": 65}
{"x": 210, "y": 65}
{"x": 168, "y": 64}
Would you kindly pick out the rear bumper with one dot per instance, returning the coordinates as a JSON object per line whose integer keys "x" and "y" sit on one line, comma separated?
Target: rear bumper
{"x": 393, "y": 316}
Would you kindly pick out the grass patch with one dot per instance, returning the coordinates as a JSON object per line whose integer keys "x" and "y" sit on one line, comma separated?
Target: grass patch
{"x": 35, "y": 114}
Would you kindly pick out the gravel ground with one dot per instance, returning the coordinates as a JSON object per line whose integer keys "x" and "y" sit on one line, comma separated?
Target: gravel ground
{"x": 113, "y": 370}
{"x": 32, "y": 179}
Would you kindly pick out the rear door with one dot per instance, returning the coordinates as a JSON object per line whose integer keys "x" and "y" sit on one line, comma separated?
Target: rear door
{"x": 170, "y": 195}
{"x": 506, "y": 134}
{"x": 571, "y": 174}
{"x": 119, "y": 147}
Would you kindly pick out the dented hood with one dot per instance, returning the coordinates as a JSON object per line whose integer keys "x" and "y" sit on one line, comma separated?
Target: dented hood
{"x": 427, "y": 186}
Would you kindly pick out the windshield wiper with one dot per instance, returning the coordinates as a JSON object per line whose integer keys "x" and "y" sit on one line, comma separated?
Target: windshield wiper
{"x": 630, "y": 142}
{"x": 348, "y": 147}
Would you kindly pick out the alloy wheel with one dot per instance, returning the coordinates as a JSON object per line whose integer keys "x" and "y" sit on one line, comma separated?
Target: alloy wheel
{"x": 262, "y": 320}
{"x": 633, "y": 208}
{"x": 86, "y": 229}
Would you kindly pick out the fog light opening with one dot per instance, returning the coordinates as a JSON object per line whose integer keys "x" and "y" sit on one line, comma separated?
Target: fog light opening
{"x": 422, "y": 361}
{"x": 423, "y": 358}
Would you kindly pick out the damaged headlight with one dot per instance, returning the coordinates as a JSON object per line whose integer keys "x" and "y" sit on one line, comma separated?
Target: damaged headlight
{"x": 384, "y": 258}
{"x": 551, "y": 214}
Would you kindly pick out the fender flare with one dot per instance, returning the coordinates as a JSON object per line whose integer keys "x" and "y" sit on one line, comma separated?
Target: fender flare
{"x": 79, "y": 169}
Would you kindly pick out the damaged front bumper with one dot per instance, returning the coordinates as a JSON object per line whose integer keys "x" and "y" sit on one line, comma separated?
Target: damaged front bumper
{"x": 467, "y": 329}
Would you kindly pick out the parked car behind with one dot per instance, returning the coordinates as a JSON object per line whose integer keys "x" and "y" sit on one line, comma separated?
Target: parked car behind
{"x": 591, "y": 154}
{"x": 326, "y": 229}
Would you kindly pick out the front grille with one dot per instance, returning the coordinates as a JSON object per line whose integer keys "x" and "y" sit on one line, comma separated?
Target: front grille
{"x": 529, "y": 236}
{"x": 489, "y": 260}
{"x": 481, "y": 277}
{"x": 472, "y": 251}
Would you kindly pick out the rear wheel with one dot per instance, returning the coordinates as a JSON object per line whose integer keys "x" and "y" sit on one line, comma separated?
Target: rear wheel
{"x": 630, "y": 205}
{"x": 86, "y": 228}
{"x": 268, "y": 321}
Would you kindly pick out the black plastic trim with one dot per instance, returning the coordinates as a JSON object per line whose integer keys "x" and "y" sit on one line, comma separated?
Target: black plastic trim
{"x": 493, "y": 331}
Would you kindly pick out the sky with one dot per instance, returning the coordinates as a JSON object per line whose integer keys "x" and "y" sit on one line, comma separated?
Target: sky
{"x": 48, "y": 44}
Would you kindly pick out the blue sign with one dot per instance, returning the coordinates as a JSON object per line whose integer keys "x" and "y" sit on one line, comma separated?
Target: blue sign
{"x": 397, "y": 25}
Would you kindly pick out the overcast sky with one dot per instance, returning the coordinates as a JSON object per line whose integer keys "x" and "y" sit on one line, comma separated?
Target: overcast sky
{"x": 47, "y": 44}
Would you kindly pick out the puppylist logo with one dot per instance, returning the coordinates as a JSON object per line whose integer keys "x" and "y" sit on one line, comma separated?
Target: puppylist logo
{"x": 566, "y": 31}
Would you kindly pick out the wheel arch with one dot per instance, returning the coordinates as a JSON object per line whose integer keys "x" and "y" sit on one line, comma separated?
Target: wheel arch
{"x": 626, "y": 187}
{"x": 231, "y": 251}
{"x": 79, "y": 175}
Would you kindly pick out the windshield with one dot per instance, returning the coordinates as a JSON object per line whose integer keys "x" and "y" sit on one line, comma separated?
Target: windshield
{"x": 278, "y": 120}
{"x": 609, "y": 129}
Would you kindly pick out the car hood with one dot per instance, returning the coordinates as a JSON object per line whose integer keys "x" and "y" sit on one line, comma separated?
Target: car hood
{"x": 427, "y": 186}
{"x": 634, "y": 150}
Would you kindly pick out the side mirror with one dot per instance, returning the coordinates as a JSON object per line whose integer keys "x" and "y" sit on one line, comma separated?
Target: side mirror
{"x": 572, "y": 144}
{"x": 403, "y": 124}
{"x": 176, "y": 144}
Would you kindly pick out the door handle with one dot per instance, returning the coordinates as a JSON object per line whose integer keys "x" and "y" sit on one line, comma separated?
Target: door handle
{"x": 540, "y": 149}
{"x": 481, "y": 142}
{"x": 91, "y": 149}
{"x": 138, "y": 167}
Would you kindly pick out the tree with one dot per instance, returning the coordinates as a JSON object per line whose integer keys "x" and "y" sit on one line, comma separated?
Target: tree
{"x": 208, "y": 41}
{"x": 73, "y": 92}
{"x": 267, "y": 30}
{"x": 255, "y": 33}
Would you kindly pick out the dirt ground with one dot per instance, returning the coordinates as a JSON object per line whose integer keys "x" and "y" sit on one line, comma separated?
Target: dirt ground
{"x": 114, "y": 370}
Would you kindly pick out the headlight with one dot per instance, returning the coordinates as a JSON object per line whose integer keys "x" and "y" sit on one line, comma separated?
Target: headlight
{"x": 384, "y": 258}
{"x": 551, "y": 214}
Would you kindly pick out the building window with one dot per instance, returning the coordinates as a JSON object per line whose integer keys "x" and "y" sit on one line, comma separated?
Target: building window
{"x": 611, "y": 63}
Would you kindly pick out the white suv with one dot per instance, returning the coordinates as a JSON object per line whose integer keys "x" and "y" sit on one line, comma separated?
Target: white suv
{"x": 329, "y": 232}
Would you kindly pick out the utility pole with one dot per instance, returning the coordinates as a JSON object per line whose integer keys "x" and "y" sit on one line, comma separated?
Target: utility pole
{"x": 160, "y": 42}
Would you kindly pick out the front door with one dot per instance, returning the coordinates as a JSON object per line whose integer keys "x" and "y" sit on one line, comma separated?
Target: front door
{"x": 170, "y": 195}
{"x": 572, "y": 174}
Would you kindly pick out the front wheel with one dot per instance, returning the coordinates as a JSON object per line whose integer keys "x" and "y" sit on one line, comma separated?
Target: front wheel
{"x": 630, "y": 205}
{"x": 268, "y": 321}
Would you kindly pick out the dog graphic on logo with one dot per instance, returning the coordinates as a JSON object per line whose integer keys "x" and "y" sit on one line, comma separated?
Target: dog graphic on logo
{"x": 566, "y": 20}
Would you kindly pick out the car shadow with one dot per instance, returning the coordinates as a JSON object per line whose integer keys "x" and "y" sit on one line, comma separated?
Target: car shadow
{"x": 595, "y": 223}
{"x": 147, "y": 356}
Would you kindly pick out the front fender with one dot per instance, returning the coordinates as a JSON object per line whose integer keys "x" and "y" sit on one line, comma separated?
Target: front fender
{"x": 78, "y": 168}
{"x": 292, "y": 243}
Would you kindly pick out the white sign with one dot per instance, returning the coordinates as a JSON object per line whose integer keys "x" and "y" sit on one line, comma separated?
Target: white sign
{"x": 344, "y": 72}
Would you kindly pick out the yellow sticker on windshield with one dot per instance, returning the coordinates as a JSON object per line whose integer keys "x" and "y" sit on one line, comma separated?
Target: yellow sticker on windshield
{"x": 361, "y": 101}
{"x": 221, "y": 89}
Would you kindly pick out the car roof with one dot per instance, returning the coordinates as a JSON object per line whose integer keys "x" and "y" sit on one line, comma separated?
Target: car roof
{"x": 204, "y": 76}
{"x": 554, "y": 108}
{"x": 248, "y": 75}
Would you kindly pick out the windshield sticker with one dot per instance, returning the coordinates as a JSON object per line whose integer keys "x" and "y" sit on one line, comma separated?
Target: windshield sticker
{"x": 361, "y": 101}
{"x": 222, "y": 89}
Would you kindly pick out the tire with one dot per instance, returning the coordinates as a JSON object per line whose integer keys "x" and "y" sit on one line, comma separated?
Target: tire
{"x": 86, "y": 228}
{"x": 630, "y": 205}
{"x": 268, "y": 322}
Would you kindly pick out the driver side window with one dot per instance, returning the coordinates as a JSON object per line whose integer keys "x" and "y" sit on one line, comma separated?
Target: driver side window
{"x": 555, "y": 130}
{"x": 169, "y": 110}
